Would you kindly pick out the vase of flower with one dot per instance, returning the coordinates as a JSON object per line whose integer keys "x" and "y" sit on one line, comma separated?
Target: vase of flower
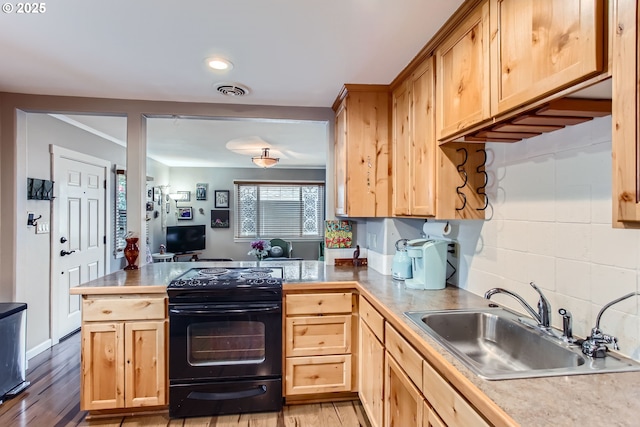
{"x": 131, "y": 252}
{"x": 260, "y": 249}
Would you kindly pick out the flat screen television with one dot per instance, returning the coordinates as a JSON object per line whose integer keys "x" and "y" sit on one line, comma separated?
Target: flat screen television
{"x": 186, "y": 238}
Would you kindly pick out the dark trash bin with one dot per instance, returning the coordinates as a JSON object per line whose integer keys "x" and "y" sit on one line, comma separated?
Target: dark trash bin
{"x": 13, "y": 361}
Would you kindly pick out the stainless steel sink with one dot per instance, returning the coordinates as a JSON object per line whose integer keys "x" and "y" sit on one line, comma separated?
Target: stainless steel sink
{"x": 496, "y": 344}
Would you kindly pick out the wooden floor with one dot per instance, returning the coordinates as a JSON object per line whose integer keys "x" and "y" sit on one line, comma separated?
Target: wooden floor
{"x": 53, "y": 400}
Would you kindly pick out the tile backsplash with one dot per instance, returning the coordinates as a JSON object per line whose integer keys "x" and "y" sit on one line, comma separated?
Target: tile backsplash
{"x": 550, "y": 222}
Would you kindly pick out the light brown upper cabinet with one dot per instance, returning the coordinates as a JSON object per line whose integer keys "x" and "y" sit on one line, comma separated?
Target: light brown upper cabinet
{"x": 541, "y": 46}
{"x": 362, "y": 160}
{"x": 626, "y": 141}
{"x": 462, "y": 61}
{"x": 414, "y": 143}
{"x": 509, "y": 54}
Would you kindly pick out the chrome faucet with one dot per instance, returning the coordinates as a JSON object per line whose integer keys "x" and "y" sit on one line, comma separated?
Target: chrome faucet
{"x": 543, "y": 316}
{"x": 596, "y": 344}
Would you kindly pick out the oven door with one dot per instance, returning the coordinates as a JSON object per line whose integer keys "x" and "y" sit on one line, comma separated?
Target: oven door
{"x": 221, "y": 341}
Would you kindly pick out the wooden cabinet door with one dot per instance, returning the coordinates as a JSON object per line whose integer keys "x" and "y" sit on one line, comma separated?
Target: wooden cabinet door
{"x": 102, "y": 385}
{"x": 317, "y": 374}
{"x": 403, "y": 403}
{"x": 463, "y": 82}
{"x": 430, "y": 418}
{"x": 146, "y": 363}
{"x": 542, "y": 46}
{"x": 363, "y": 178}
{"x": 452, "y": 408}
{"x": 414, "y": 145}
{"x": 401, "y": 142}
{"x": 318, "y": 335}
{"x": 318, "y": 304}
{"x": 626, "y": 113}
{"x": 371, "y": 375}
{"x": 340, "y": 154}
{"x": 423, "y": 143}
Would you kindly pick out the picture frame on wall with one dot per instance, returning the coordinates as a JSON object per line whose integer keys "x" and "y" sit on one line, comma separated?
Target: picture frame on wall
{"x": 220, "y": 218}
{"x": 221, "y": 198}
{"x": 185, "y": 212}
{"x": 157, "y": 195}
{"x": 201, "y": 191}
{"x": 185, "y": 196}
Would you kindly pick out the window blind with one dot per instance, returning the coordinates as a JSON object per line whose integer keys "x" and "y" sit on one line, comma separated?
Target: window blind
{"x": 279, "y": 209}
{"x": 120, "y": 217}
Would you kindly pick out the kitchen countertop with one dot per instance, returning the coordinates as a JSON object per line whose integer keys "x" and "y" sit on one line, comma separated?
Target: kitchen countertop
{"x": 612, "y": 399}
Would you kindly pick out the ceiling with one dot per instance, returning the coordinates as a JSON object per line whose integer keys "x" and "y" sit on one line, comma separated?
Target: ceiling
{"x": 285, "y": 52}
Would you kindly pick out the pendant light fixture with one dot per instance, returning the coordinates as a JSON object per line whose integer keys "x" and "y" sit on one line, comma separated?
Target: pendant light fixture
{"x": 264, "y": 161}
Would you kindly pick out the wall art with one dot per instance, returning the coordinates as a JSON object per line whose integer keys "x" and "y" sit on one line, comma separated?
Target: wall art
{"x": 222, "y": 198}
{"x": 185, "y": 213}
{"x": 201, "y": 191}
{"x": 219, "y": 219}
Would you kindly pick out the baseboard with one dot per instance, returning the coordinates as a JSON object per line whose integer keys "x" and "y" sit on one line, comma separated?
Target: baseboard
{"x": 33, "y": 352}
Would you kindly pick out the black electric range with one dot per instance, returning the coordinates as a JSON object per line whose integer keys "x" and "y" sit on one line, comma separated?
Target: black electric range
{"x": 225, "y": 341}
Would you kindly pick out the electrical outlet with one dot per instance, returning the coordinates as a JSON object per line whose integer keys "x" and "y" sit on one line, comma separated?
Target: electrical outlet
{"x": 42, "y": 228}
{"x": 453, "y": 249}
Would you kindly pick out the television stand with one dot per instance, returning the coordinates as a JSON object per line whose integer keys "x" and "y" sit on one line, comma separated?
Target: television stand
{"x": 193, "y": 255}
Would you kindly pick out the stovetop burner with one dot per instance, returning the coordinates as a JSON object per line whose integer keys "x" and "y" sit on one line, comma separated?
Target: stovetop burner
{"x": 226, "y": 278}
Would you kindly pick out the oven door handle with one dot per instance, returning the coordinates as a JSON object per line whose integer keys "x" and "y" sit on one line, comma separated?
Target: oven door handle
{"x": 197, "y": 395}
{"x": 216, "y": 311}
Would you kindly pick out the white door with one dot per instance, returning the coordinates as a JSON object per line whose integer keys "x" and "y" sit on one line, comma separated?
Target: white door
{"x": 79, "y": 244}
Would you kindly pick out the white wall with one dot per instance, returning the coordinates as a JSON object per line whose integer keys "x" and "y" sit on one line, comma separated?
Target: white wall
{"x": 33, "y": 266}
{"x": 551, "y": 223}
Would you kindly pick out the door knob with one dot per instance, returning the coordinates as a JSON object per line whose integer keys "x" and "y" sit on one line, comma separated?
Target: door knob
{"x": 63, "y": 239}
{"x": 63, "y": 252}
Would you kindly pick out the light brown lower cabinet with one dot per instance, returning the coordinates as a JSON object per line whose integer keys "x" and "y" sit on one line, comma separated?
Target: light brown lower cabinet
{"x": 371, "y": 380}
{"x": 124, "y": 363}
{"x": 430, "y": 418}
{"x": 318, "y": 374}
{"x": 319, "y": 329}
{"x": 453, "y": 409}
{"x": 404, "y": 405}
{"x": 393, "y": 373}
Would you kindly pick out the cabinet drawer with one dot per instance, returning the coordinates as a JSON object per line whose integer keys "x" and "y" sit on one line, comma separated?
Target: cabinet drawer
{"x": 318, "y": 303}
{"x": 122, "y": 308}
{"x": 318, "y": 374}
{"x": 452, "y": 408}
{"x": 319, "y": 335}
{"x": 405, "y": 355}
{"x": 372, "y": 318}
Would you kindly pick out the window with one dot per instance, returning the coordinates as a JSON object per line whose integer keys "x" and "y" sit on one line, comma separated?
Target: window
{"x": 120, "y": 217}
{"x": 279, "y": 209}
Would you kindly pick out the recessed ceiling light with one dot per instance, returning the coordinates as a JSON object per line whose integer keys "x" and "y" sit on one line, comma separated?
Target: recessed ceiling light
{"x": 219, "y": 64}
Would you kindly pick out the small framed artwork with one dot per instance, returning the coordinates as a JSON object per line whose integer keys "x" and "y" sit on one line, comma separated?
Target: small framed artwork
{"x": 157, "y": 195}
{"x": 222, "y": 198}
{"x": 201, "y": 191}
{"x": 185, "y": 196}
{"x": 185, "y": 213}
{"x": 219, "y": 219}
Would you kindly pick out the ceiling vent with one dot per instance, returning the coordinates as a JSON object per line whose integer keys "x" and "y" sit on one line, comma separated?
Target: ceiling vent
{"x": 232, "y": 89}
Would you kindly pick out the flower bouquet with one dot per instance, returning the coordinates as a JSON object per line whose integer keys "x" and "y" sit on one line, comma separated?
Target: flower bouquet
{"x": 260, "y": 248}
